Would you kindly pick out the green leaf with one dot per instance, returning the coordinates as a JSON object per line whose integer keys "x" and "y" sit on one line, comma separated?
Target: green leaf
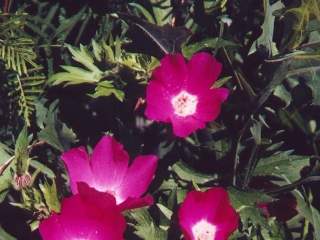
{"x": 316, "y": 222}
{"x": 210, "y": 43}
{"x": 5, "y": 177}
{"x": 309, "y": 70}
{"x": 42, "y": 168}
{"x": 241, "y": 199}
{"x": 28, "y": 88}
{"x": 68, "y": 24}
{"x": 145, "y": 227}
{"x": 281, "y": 92}
{"x": 246, "y": 205}
{"x": 220, "y": 82}
{"x": 51, "y": 196}
{"x": 256, "y": 132}
{"x": 308, "y": 10}
{"x": 143, "y": 11}
{"x": 105, "y": 89}
{"x": 169, "y": 39}
{"x": 162, "y": 11}
{"x": 186, "y": 173}
{"x": 181, "y": 195}
{"x": 114, "y": 60}
{"x": 166, "y": 211}
{"x": 282, "y": 164}
{"x": 84, "y": 57}
{"x": 74, "y": 76}
{"x": 278, "y": 77}
{"x": 77, "y": 75}
{"x": 56, "y": 133}
{"x": 21, "y": 152}
{"x": 305, "y": 208}
{"x": 5, "y": 236}
{"x": 266, "y": 38}
{"x": 17, "y": 50}
{"x": 275, "y": 232}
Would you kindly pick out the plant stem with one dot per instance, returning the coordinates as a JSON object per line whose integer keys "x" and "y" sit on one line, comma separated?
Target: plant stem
{"x": 6, "y": 164}
{"x": 6, "y": 6}
{"x": 293, "y": 185}
{"x": 236, "y": 154}
{"x": 251, "y": 165}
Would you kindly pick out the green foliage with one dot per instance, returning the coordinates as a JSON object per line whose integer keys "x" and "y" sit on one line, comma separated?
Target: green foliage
{"x": 282, "y": 164}
{"x": 145, "y": 228}
{"x": 16, "y": 47}
{"x": 113, "y": 58}
{"x": 266, "y": 38}
{"x": 309, "y": 212}
{"x": 190, "y": 175}
{"x": 5, "y": 176}
{"x": 211, "y": 43}
{"x": 5, "y": 235}
{"x": 45, "y": 28}
{"x": 53, "y": 131}
{"x": 17, "y": 51}
{"x": 50, "y": 196}
{"x": 307, "y": 69}
{"x": 21, "y": 152}
{"x": 40, "y": 167}
{"x": 161, "y": 12}
{"x": 267, "y": 129}
{"x": 25, "y": 92}
{"x": 307, "y": 11}
{"x": 252, "y": 218}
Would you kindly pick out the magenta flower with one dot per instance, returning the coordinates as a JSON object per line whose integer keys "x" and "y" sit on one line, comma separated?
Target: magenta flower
{"x": 87, "y": 215}
{"x": 207, "y": 215}
{"x": 108, "y": 170}
{"x": 181, "y": 92}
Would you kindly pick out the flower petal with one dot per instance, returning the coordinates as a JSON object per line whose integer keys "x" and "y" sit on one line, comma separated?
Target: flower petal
{"x": 78, "y": 166}
{"x": 139, "y": 176}
{"x": 51, "y": 228}
{"x": 104, "y": 200}
{"x": 203, "y": 72}
{"x": 158, "y": 102}
{"x": 209, "y": 104}
{"x": 183, "y": 126}
{"x": 132, "y": 203}
{"x": 87, "y": 215}
{"x": 227, "y": 222}
{"x": 109, "y": 164}
{"x": 172, "y": 72}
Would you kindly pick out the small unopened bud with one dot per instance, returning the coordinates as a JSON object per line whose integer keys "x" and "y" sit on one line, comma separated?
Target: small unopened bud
{"x": 21, "y": 181}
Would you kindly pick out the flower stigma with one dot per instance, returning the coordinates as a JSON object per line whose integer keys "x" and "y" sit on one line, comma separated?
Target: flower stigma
{"x": 184, "y": 104}
{"x": 204, "y": 230}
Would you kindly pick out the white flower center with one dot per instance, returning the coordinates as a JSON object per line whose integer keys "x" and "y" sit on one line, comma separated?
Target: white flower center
{"x": 204, "y": 230}
{"x": 184, "y": 104}
{"x": 111, "y": 191}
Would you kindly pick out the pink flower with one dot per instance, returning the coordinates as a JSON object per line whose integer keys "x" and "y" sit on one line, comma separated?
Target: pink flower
{"x": 181, "y": 92}
{"x": 207, "y": 215}
{"x": 88, "y": 215}
{"x": 107, "y": 170}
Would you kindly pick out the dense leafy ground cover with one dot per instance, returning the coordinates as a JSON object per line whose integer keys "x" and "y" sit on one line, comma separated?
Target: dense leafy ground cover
{"x": 72, "y": 72}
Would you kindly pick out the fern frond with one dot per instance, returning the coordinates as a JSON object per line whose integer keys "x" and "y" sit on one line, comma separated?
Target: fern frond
{"x": 27, "y": 89}
{"x": 16, "y": 48}
{"x": 18, "y": 54}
